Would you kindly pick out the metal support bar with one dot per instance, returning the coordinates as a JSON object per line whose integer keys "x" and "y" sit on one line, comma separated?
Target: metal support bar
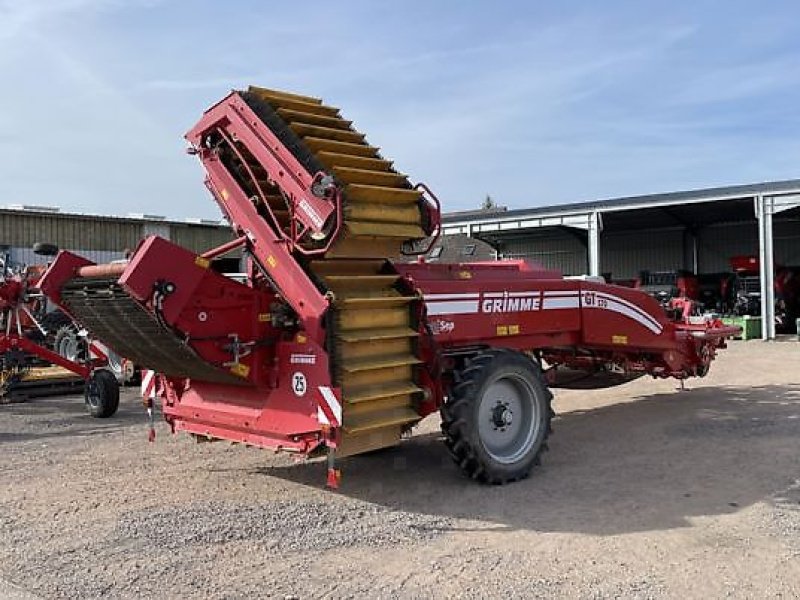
{"x": 768, "y": 292}
{"x": 595, "y": 227}
{"x": 225, "y": 248}
{"x": 766, "y": 256}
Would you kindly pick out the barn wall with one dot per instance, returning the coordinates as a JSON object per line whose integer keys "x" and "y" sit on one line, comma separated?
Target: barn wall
{"x": 625, "y": 253}
{"x": 98, "y": 238}
{"x": 200, "y": 238}
{"x": 553, "y": 248}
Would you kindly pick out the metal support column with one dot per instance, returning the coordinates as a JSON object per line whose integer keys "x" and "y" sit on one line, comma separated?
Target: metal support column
{"x": 595, "y": 227}
{"x": 766, "y": 261}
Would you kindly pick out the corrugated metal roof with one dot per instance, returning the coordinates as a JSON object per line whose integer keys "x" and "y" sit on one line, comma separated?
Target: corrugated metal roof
{"x": 56, "y": 213}
{"x": 632, "y": 202}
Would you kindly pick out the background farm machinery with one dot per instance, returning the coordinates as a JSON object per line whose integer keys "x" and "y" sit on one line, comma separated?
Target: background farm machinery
{"x": 329, "y": 345}
{"x": 733, "y": 293}
{"x": 33, "y": 337}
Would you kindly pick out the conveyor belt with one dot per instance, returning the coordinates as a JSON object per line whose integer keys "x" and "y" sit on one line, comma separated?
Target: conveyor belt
{"x": 374, "y": 338}
{"x": 103, "y": 307}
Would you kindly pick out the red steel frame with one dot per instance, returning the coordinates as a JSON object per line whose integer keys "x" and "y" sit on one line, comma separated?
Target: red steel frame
{"x": 234, "y": 119}
{"x": 12, "y": 341}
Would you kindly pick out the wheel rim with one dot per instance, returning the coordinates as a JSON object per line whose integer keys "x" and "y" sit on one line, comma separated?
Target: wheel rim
{"x": 509, "y": 420}
{"x": 68, "y": 347}
{"x": 92, "y": 394}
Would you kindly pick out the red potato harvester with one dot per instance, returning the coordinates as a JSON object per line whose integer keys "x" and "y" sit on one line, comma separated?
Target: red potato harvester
{"x": 333, "y": 347}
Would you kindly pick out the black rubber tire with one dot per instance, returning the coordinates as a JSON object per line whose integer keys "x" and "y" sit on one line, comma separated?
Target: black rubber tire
{"x": 102, "y": 394}
{"x": 460, "y": 416}
{"x": 45, "y": 249}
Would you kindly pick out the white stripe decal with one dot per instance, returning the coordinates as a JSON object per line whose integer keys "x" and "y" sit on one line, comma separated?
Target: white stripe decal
{"x": 148, "y": 384}
{"x": 332, "y": 402}
{"x": 631, "y": 314}
{"x": 511, "y": 294}
{"x": 633, "y": 308}
{"x": 560, "y": 293}
{"x": 463, "y": 307}
{"x": 560, "y": 303}
{"x": 472, "y": 296}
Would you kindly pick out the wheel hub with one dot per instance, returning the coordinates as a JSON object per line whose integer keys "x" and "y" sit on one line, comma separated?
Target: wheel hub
{"x": 502, "y": 417}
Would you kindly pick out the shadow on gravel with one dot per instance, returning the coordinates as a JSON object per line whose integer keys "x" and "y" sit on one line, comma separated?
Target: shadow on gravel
{"x": 65, "y": 417}
{"x": 650, "y": 464}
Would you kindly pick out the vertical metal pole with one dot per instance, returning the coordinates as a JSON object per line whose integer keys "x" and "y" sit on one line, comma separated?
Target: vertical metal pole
{"x": 768, "y": 293}
{"x": 761, "y": 215}
{"x": 695, "y": 254}
{"x": 595, "y": 225}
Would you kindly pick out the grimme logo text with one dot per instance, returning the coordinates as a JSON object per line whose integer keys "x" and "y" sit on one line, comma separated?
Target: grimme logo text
{"x": 510, "y": 304}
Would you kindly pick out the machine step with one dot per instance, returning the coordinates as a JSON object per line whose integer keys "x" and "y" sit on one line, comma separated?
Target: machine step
{"x": 371, "y": 229}
{"x": 316, "y": 144}
{"x": 381, "y": 194}
{"x": 334, "y": 159}
{"x": 370, "y": 177}
{"x": 375, "y": 302}
{"x": 406, "y": 215}
{"x": 371, "y": 440}
{"x": 284, "y": 96}
{"x": 314, "y": 119}
{"x": 377, "y": 392}
{"x": 380, "y": 362}
{"x": 361, "y": 286}
{"x": 381, "y": 419}
{"x": 369, "y": 335}
{"x": 327, "y": 133}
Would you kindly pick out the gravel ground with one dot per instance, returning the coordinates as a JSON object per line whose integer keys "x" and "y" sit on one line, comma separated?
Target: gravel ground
{"x": 646, "y": 493}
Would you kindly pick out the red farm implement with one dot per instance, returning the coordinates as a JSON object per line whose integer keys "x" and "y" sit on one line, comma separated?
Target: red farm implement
{"x": 28, "y": 366}
{"x": 330, "y": 346}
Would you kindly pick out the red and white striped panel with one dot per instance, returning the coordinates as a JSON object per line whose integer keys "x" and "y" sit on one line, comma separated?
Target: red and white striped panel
{"x": 329, "y": 411}
{"x": 148, "y": 384}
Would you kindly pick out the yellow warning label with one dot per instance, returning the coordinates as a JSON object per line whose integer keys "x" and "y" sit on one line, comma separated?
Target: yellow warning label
{"x": 513, "y": 330}
{"x": 271, "y": 261}
{"x": 225, "y": 194}
{"x": 300, "y": 338}
{"x": 240, "y": 369}
{"x": 619, "y": 339}
{"x": 201, "y": 262}
{"x": 464, "y": 275}
{"x": 264, "y": 317}
{"x": 502, "y": 330}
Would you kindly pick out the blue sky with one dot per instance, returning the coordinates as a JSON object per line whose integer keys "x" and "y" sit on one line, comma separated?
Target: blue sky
{"x": 532, "y": 102}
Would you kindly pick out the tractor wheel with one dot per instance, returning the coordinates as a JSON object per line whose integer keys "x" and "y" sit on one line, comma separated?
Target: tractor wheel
{"x": 497, "y": 418}
{"x": 102, "y": 394}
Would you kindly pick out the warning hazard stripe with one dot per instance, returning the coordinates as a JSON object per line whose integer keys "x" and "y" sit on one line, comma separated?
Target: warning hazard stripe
{"x": 329, "y": 411}
{"x": 148, "y": 384}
